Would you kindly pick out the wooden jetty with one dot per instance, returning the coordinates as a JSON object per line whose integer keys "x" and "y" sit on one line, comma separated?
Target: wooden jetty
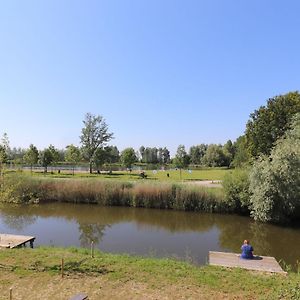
{"x": 233, "y": 260}
{"x": 13, "y": 241}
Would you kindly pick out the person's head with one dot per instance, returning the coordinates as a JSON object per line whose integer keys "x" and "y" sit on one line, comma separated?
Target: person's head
{"x": 246, "y": 242}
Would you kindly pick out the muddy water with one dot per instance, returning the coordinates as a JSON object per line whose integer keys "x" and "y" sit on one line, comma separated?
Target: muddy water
{"x": 159, "y": 233}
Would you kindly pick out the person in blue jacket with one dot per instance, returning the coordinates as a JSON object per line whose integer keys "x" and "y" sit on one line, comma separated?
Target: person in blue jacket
{"x": 247, "y": 250}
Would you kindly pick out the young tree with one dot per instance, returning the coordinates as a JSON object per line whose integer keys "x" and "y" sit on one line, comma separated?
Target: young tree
{"x": 55, "y": 154}
{"x": 73, "y": 155}
{"x": 4, "y": 152}
{"x": 45, "y": 158}
{"x": 100, "y": 158}
{"x": 94, "y": 135}
{"x": 270, "y": 122}
{"x": 181, "y": 159}
{"x": 31, "y": 156}
{"x": 128, "y": 157}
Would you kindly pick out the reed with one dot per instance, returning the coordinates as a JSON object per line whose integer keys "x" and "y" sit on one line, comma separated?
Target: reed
{"x": 24, "y": 189}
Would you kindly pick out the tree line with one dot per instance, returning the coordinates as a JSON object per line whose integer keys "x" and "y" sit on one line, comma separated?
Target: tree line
{"x": 265, "y": 126}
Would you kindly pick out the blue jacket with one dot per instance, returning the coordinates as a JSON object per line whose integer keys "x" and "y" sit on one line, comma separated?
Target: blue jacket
{"x": 247, "y": 251}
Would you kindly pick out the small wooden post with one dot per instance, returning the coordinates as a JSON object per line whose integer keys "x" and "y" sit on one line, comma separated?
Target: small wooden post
{"x": 10, "y": 294}
{"x": 62, "y": 268}
{"x": 92, "y": 249}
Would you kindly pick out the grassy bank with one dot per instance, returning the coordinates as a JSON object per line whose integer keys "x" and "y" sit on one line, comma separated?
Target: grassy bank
{"x": 35, "y": 274}
{"x": 24, "y": 189}
{"x": 159, "y": 175}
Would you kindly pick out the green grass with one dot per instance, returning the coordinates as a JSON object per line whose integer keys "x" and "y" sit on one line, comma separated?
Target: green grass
{"x": 159, "y": 175}
{"x": 155, "y": 273}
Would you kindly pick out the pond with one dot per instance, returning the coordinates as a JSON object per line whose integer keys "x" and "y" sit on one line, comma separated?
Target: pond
{"x": 148, "y": 232}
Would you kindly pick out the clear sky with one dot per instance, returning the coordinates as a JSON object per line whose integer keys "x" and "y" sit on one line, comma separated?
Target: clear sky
{"x": 161, "y": 72}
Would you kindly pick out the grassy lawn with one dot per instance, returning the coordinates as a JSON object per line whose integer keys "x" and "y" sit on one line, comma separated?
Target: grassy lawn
{"x": 174, "y": 175}
{"x": 35, "y": 274}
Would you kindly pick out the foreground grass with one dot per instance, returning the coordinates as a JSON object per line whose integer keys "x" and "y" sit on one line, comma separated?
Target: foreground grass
{"x": 35, "y": 274}
{"x": 159, "y": 175}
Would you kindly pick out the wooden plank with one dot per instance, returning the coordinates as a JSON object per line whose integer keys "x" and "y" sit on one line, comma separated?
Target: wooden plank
{"x": 233, "y": 260}
{"x": 12, "y": 241}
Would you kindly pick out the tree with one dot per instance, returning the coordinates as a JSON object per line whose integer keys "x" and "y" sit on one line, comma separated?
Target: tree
{"x": 229, "y": 152}
{"x": 214, "y": 156}
{"x": 55, "y": 154}
{"x": 31, "y": 156}
{"x": 181, "y": 160}
{"x": 45, "y": 158}
{"x": 4, "y": 152}
{"x": 142, "y": 153}
{"x": 113, "y": 154}
{"x": 166, "y": 155}
{"x": 270, "y": 122}
{"x": 94, "y": 135}
{"x": 73, "y": 155}
{"x": 128, "y": 157}
{"x": 196, "y": 153}
{"x": 275, "y": 180}
{"x": 100, "y": 158}
{"x": 241, "y": 156}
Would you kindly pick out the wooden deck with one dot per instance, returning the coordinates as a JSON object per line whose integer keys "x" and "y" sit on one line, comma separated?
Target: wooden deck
{"x": 13, "y": 241}
{"x": 259, "y": 263}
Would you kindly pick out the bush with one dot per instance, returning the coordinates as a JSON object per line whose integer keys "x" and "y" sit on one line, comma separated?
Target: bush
{"x": 275, "y": 180}
{"x": 236, "y": 189}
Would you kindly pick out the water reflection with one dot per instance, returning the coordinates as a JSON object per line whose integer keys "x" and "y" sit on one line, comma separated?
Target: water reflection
{"x": 148, "y": 231}
{"x": 89, "y": 233}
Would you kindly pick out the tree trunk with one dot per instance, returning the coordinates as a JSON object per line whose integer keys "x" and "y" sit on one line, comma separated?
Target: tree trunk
{"x": 91, "y": 168}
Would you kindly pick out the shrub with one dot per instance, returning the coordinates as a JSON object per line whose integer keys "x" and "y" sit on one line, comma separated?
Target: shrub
{"x": 275, "y": 180}
{"x": 236, "y": 189}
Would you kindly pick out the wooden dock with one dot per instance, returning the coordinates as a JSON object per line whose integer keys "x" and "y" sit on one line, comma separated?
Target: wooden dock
{"x": 13, "y": 241}
{"x": 233, "y": 260}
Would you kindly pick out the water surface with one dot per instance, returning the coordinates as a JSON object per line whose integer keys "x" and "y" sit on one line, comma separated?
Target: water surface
{"x": 159, "y": 233}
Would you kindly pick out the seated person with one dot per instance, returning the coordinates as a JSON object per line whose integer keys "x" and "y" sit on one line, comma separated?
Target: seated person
{"x": 247, "y": 250}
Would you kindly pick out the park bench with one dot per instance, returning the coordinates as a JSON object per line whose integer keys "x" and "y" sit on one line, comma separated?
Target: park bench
{"x": 80, "y": 296}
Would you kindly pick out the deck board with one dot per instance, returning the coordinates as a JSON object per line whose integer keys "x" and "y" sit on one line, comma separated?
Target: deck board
{"x": 12, "y": 241}
{"x": 261, "y": 263}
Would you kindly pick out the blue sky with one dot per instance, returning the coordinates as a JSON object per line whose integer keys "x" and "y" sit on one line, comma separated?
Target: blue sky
{"x": 161, "y": 72}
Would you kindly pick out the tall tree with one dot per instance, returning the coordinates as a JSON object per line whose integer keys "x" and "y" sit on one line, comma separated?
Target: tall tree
{"x": 241, "y": 156}
{"x": 94, "y": 135}
{"x": 113, "y": 154}
{"x": 73, "y": 155}
{"x": 228, "y": 151}
{"x": 270, "y": 122}
{"x": 166, "y": 155}
{"x": 196, "y": 153}
{"x": 128, "y": 157}
{"x": 31, "y": 156}
{"x": 142, "y": 153}
{"x": 214, "y": 156}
